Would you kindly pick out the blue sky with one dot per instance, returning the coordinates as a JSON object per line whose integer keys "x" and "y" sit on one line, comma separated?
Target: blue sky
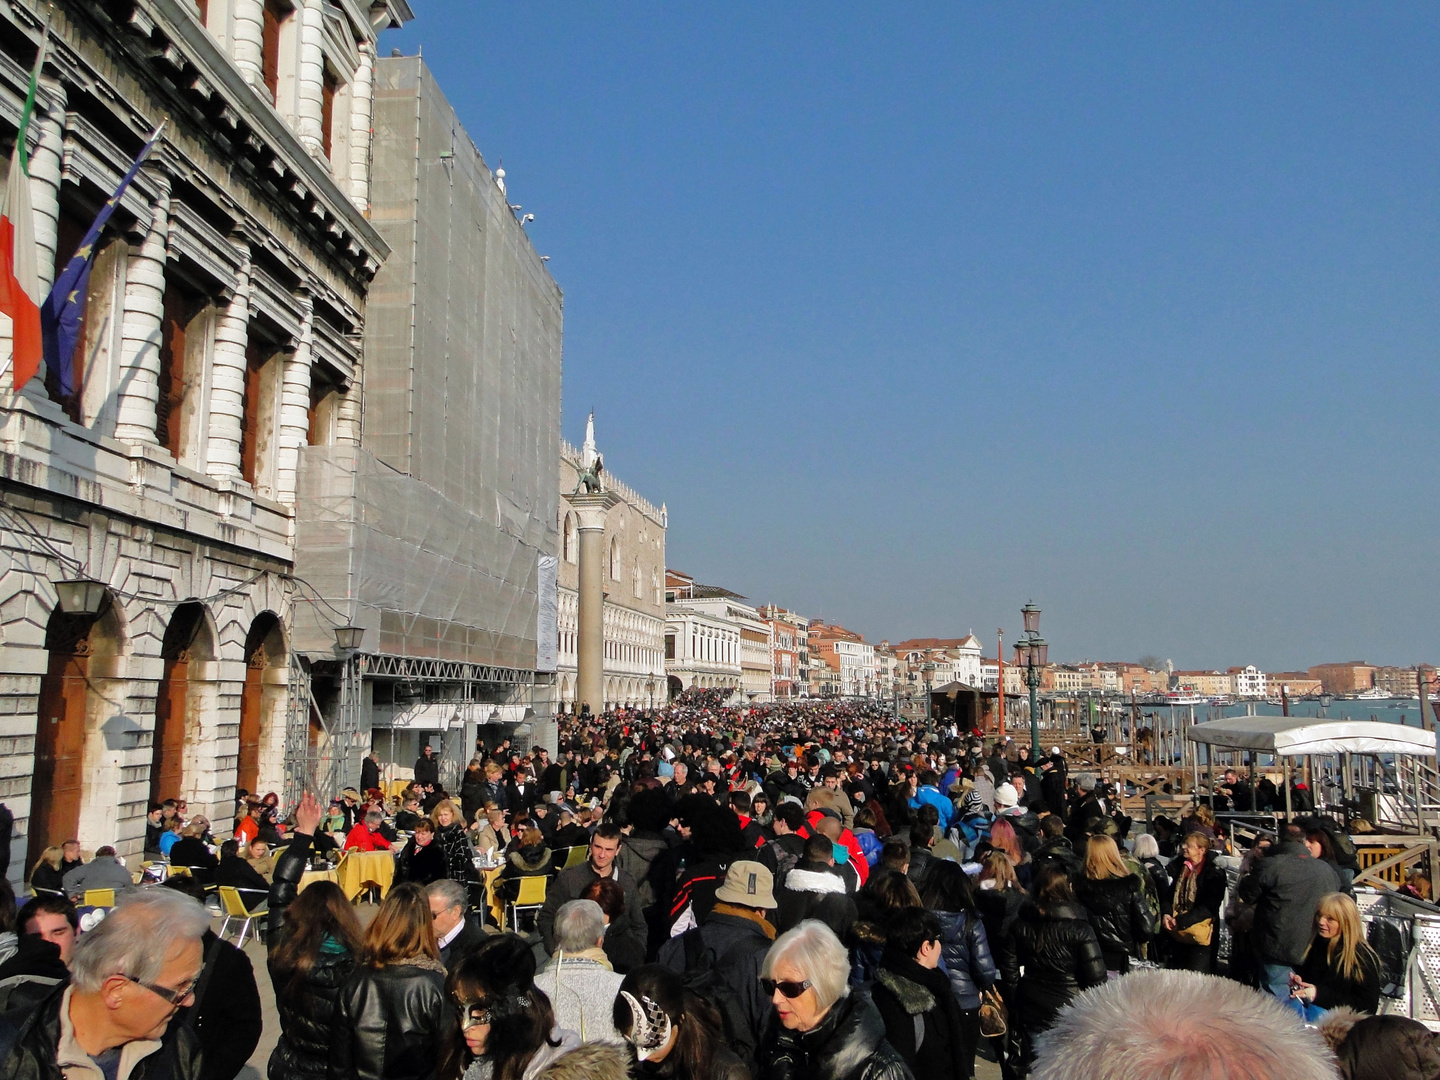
{"x": 911, "y": 313}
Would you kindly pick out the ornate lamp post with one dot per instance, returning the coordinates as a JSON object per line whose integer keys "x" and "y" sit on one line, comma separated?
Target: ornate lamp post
{"x": 1032, "y": 653}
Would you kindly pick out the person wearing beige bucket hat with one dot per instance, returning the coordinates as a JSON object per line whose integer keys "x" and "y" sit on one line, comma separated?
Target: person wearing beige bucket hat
{"x": 737, "y": 930}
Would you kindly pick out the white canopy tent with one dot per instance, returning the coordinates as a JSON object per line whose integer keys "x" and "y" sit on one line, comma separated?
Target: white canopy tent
{"x": 1300, "y": 736}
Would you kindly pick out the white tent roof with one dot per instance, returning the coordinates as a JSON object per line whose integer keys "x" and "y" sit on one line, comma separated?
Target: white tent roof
{"x": 1295, "y": 736}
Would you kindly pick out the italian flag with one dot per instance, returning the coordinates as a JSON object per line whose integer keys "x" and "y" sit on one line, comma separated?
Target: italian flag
{"x": 20, "y": 293}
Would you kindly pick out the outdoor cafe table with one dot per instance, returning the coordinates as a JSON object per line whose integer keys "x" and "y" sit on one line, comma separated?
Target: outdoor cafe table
{"x": 309, "y": 877}
{"x": 359, "y": 867}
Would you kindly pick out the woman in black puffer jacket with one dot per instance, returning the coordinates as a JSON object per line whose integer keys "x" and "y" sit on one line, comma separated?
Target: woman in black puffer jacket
{"x": 309, "y": 962}
{"x": 1057, "y": 947}
{"x": 1115, "y": 901}
{"x": 964, "y": 948}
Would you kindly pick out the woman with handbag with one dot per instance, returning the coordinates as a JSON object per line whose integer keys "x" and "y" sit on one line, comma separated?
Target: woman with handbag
{"x": 1195, "y": 907}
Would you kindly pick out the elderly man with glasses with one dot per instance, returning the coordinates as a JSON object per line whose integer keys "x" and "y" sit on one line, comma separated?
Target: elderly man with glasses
{"x": 128, "y": 977}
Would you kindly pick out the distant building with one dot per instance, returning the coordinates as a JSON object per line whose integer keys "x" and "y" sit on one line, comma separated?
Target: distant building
{"x": 1204, "y": 683}
{"x": 1294, "y": 683}
{"x": 1347, "y": 677}
{"x": 1398, "y": 681}
{"x": 716, "y": 616}
{"x": 790, "y": 652}
{"x": 1247, "y": 682}
{"x": 847, "y": 655}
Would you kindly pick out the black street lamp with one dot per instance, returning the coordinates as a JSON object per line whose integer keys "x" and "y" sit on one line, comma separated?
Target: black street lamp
{"x": 1032, "y": 652}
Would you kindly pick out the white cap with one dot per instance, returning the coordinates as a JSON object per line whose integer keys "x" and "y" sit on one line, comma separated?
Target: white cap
{"x": 1006, "y": 795}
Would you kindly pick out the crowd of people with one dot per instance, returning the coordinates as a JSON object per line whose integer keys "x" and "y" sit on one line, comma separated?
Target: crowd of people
{"x": 814, "y": 891}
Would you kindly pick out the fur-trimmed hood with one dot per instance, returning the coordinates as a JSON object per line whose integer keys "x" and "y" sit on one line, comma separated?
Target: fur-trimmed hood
{"x": 1336, "y": 1024}
{"x": 592, "y": 1061}
{"x": 816, "y": 881}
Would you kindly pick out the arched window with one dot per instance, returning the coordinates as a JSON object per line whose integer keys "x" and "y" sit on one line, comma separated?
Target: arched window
{"x": 635, "y": 577}
{"x": 568, "y": 539}
{"x": 615, "y": 558}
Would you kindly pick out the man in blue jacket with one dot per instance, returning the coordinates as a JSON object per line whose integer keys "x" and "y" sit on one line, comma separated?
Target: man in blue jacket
{"x": 929, "y": 792}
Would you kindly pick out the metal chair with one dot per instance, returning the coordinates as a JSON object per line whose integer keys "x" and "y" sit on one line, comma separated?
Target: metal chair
{"x": 529, "y": 897}
{"x": 99, "y": 898}
{"x": 233, "y": 905}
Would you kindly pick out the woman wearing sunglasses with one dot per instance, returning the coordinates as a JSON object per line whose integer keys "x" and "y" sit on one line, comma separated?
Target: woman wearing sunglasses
{"x": 675, "y": 1033}
{"x": 822, "y": 1027}
{"x": 507, "y": 1026}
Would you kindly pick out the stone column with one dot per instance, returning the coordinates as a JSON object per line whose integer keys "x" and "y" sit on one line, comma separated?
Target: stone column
{"x": 362, "y": 95}
{"x": 45, "y": 178}
{"x": 309, "y": 121}
{"x": 295, "y": 407}
{"x": 249, "y": 25}
{"x": 138, "y": 385}
{"x": 590, "y": 511}
{"x": 227, "y": 393}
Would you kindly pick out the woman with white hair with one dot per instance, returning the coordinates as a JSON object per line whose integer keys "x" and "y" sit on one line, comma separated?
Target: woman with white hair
{"x": 822, "y": 1026}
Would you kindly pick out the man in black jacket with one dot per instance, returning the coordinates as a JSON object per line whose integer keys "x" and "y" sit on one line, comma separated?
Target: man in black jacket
{"x": 814, "y": 890}
{"x": 129, "y": 975}
{"x": 457, "y": 933}
{"x": 370, "y": 772}
{"x": 569, "y": 884}
{"x": 732, "y": 943}
{"x": 1285, "y": 887}
{"x": 427, "y": 769}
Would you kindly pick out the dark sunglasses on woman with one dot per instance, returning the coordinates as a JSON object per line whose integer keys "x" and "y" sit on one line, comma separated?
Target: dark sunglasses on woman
{"x": 789, "y": 989}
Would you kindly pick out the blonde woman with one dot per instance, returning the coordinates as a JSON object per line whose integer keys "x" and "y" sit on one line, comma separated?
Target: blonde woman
{"x": 1115, "y": 900}
{"x": 46, "y": 874}
{"x": 1341, "y": 968}
{"x": 454, "y": 844}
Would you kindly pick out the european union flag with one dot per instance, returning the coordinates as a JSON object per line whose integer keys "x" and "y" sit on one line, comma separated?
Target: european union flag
{"x": 63, "y": 309}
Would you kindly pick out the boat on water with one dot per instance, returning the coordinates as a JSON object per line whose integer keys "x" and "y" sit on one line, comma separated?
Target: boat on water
{"x": 1374, "y": 694}
{"x": 1176, "y": 697}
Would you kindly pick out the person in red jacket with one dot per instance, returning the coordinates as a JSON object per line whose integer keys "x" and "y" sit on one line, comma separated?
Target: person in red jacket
{"x": 364, "y": 836}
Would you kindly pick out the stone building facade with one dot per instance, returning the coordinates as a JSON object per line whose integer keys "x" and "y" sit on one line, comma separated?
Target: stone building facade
{"x": 221, "y": 337}
{"x": 634, "y": 615}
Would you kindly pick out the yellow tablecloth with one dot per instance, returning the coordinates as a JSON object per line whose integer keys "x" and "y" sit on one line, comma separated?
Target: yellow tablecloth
{"x": 491, "y": 878}
{"x": 360, "y": 867}
{"x": 309, "y": 877}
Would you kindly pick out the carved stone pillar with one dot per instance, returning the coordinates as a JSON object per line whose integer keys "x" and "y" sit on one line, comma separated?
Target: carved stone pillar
{"x": 362, "y": 97}
{"x": 227, "y": 394}
{"x": 309, "y": 122}
{"x": 249, "y": 25}
{"x": 295, "y": 408}
{"x": 138, "y": 385}
{"x": 590, "y": 512}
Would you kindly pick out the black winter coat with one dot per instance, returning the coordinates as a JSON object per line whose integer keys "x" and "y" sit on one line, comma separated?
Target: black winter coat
{"x": 33, "y": 1055}
{"x": 1209, "y": 893}
{"x": 1120, "y": 915}
{"x": 227, "y": 1018}
{"x": 998, "y": 911}
{"x": 472, "y": 794}
{"x": 393, "y": 1023}
{"x": 737, "y": 948}
{"x": 421, "y": 865}
{"x": 904, "y": 993}
{"x": 1333, "y": 989}
{"x": 849, "y": 1044}
{"x": 966, "y": 952}
{"x": 1061, "y": 957}
{"x": 307, "y": 1008}
{"x": 1285, "y": 887}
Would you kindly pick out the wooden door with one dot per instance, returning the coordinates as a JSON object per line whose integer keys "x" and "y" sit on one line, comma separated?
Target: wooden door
{"x": 167, "y": 766}
{"x": 56, "y": 788}
{"x": 250, "y": 698}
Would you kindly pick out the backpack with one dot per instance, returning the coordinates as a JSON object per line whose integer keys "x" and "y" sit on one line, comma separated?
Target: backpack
{"x": 708, "y": 976}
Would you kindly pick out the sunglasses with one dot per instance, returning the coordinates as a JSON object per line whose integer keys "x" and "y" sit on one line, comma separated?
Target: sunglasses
{"x": 175, "y": 995}
{"x": 791, "y": 990}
